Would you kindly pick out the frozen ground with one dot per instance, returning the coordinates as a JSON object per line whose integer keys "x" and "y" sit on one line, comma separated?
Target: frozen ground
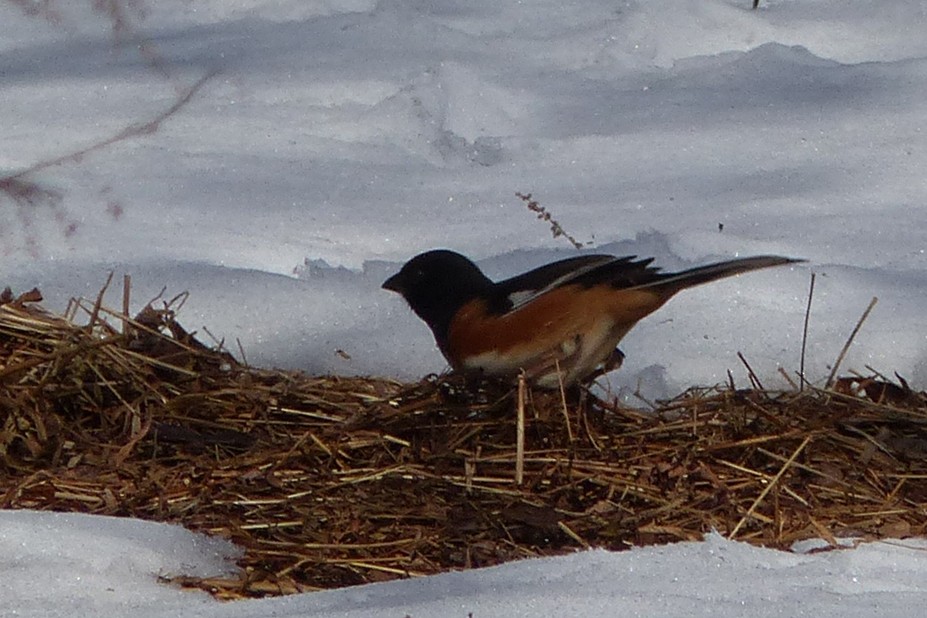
{"x": 339, "y": 138}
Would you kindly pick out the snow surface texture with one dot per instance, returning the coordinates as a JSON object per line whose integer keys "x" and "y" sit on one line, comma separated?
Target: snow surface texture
{"x": 95, "y": 566}
{"x": 72, "y": 566}
{"x": 339, "y": 138}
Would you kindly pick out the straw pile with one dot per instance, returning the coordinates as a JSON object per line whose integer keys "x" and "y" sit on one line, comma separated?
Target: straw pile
{"x": 328, "y": 481}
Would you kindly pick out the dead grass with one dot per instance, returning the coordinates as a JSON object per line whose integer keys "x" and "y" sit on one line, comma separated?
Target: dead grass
{"x": 328, "y": 481}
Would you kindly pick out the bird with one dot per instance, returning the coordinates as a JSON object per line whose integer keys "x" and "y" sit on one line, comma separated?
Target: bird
{"x": 559, "y": 324}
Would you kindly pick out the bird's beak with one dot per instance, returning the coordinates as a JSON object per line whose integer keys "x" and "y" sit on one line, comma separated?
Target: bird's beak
{"x": 393, "y": 284}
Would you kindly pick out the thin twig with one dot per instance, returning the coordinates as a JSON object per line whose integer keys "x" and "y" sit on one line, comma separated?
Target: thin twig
{"x": 520, "y": 432}
{"x": 95, "y": 313}
{"x": 769, "y": 486}
{"x": 126, "y": 292}
{"x": 846, "y": 346}
{"x": 563, "y": 401}
{"x": 788, "y": 378}
{"x": 804, "y": 334}
{"x": 572, "y": 534}
{"x": 129, "y": 132}
{"x": 542, "y": 213}
{"x": 753, "y": 378}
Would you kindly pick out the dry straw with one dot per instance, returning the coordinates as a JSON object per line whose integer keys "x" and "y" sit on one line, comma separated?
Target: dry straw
{"x": 328, "y": 481}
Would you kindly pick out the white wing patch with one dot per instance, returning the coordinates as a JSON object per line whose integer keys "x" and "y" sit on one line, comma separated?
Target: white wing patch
{"x": 520, "y": 298}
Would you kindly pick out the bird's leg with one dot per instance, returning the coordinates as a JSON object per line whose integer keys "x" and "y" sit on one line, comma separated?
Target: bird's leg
{"x": 611, "y": 363}
{"x": 614, "y": 361}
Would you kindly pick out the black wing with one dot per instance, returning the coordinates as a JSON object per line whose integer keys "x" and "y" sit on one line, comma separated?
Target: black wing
{"x": 619, "y": 273}
{"x": 586, "y": 270}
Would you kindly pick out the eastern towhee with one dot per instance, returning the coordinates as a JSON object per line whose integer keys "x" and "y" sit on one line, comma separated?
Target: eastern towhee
{"x": 557, "y": 323}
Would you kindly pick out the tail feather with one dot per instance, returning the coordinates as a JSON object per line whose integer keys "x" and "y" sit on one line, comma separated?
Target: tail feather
{"x": 675, "y": 282}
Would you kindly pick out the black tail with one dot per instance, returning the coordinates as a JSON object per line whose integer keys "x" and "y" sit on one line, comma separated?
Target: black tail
{"x": 675, "y": 282}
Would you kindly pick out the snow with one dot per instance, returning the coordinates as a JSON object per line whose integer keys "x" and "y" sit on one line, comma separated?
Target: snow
{"x": 81, "y": 565}
{"x": 353, "y": 135}
{"x": 340, "y": 137}
{"x": 99, "y": 566}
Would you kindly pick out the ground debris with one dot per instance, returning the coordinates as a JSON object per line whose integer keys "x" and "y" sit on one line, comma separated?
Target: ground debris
{"x": 329, "y": 481}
